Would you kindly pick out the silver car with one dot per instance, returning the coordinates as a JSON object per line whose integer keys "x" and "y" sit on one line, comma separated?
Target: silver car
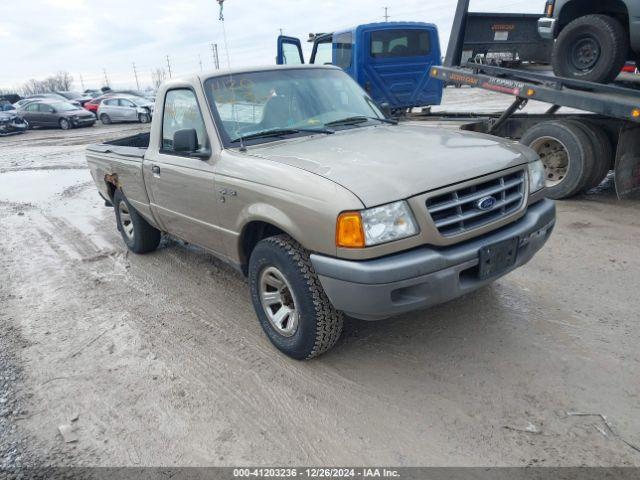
{"x": 125, "y": 108}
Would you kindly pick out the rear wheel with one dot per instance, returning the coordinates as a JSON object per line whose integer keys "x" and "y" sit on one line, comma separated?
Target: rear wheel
{"x": 138, "y": 235}
{"x": 105, "y": 119}
{"x": 603, "y": 153}
{"x": 290, "y": 303}
{"x": 64, "y": 124}
{"x": 591, "y": 48}
{"x": 566, "y": 153}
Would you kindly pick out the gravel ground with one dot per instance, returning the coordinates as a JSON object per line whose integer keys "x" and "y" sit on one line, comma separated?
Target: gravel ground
{"x": 159, "y": 360}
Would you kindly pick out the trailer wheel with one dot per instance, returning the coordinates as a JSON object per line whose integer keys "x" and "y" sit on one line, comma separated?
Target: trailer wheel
{"x": 567, "y": 154}
{"x": 603, "y": 153}
{"x": 591, "y": 48}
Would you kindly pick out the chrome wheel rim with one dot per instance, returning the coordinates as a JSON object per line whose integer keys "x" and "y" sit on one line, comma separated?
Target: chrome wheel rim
{"x": 125, "y": 220}
{"x": 278, "y": 301}
{"x": 555, "y": 158}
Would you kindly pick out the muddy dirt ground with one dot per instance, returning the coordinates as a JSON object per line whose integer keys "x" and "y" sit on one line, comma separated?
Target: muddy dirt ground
{"x": 159, "y": 359}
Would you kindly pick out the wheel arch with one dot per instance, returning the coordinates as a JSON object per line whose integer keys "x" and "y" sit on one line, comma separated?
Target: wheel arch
{"x": 579, "y": 8}
{"x": 254, "y": 231}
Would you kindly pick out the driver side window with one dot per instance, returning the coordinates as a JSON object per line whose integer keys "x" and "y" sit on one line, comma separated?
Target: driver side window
{"x": 181, "y": 112}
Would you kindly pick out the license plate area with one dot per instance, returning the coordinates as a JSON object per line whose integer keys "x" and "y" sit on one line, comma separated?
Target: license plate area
{"x": 497, "y": 257}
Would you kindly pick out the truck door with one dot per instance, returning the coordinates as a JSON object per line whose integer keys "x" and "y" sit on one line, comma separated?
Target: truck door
{"x": 289, "y": 51}
{"x": 396, "y": 66}
{"x": 181, "y": 187}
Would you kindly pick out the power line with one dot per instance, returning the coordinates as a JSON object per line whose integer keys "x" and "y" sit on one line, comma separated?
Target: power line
{"x": 216, "y": 58}
{"x": 169, "y": 66}
{"x": 135, "y": 73}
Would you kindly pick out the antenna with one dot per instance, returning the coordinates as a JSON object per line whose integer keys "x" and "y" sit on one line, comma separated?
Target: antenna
{"x": 386, "y": 14}
{"x": 243, "y": 148}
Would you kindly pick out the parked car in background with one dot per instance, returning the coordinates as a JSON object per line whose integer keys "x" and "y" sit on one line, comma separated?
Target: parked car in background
{"x": 10, "y": 97}
{"x": 125, "y": 108}
{"x": 5, "y": 106}
{"x": 76, "y": 96}
{"x": 93, "y": 104}
{"x": 11, "y": 123}
{"x": 58, "y": 114}
{"x": 52, "y": 97}
{"x": 93, "y": 93}
{"x": 21, "y": 103}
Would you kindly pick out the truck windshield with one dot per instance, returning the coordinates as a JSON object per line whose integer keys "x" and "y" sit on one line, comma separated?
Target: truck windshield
{"x": 297, "y": 101}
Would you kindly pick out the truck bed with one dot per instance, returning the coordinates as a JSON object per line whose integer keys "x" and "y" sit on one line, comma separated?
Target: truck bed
{"x": 134, "y": 146}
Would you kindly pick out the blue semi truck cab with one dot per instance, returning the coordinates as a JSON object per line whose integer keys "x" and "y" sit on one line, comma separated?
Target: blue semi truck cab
{"x": 390, "y": 60}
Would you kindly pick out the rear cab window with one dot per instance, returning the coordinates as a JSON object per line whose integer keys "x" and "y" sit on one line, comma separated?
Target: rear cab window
{"x": 400, "y": 43}
{"x": 181, "y": 111}
{"x": 344, "y": 49}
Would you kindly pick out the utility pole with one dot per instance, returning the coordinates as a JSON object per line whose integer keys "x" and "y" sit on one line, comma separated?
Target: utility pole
{"x": 106, "y": 79}
{"x": 214, "y": 53}
{"x": 200, "y": 61}
{"x": 169, "y": 66}
{"x": 386, "y": 14}
{"x": 82, "y": 82}
{"x": 135, "y": 73}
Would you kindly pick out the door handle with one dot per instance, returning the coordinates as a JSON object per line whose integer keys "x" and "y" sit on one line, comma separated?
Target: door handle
{"x": 156, "y": 171}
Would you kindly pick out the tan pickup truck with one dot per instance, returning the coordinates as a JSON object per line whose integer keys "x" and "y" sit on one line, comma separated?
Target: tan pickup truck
{"x": 296, "y": 177}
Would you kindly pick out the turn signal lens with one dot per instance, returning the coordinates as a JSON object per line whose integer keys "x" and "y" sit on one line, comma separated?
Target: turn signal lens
{"x": 636, "y": 113}
{"x": 349, "y": 231}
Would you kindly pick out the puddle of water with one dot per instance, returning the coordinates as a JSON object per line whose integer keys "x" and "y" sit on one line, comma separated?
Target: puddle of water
{"x": 38, "y": 187}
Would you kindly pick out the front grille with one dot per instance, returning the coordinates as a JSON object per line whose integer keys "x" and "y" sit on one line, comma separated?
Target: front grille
{"x": 457, "y": 211}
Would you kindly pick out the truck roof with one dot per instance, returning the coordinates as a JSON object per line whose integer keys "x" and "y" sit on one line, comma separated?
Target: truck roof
{"x": 239, "y": 70}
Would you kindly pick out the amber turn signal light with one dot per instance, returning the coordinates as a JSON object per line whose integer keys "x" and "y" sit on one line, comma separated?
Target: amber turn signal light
{"x": 349, "y": 231}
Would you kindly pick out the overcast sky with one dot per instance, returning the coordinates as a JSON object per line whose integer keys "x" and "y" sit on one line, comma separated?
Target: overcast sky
{"x": 85, "y": 37}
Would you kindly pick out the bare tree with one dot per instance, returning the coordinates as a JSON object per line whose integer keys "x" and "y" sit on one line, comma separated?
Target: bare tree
{"x": 158, "y": 76}
{"x": 61, "y": 81}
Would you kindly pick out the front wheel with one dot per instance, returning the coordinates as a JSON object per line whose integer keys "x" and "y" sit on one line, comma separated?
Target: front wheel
{"x": 137, "y": 233}
{"x": 591, "y": 48}
{"x": 64, "y": 124}
{"x": 144, "y": 118}
{"x": 290, "y": 303}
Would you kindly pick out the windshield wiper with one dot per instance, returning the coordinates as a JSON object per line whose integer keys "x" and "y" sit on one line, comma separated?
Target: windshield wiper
{"x": 276, "y": 132}
{"x": 359, "y": 119}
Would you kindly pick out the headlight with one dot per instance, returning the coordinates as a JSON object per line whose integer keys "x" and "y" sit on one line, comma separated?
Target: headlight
{"x": 536, "y": 176}
{"x": 375, "y": 226}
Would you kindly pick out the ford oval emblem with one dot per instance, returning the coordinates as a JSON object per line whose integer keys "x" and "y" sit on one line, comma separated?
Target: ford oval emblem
{"x": 486, "y": 203}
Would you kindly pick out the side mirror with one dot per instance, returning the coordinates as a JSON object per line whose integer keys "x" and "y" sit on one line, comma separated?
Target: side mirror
{"x": 185, "y": 141}
{"x": 386, "y": 109}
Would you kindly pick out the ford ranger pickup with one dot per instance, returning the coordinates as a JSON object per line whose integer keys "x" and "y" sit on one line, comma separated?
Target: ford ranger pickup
{"x": 296, "y": 177}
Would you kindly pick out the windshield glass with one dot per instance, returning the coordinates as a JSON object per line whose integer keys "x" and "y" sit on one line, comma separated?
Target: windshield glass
{"x": 63, "y": 107}
{"x": 291, "y": 99}
{"x": 138, "y": 101}
{"x": 71, "y": 95}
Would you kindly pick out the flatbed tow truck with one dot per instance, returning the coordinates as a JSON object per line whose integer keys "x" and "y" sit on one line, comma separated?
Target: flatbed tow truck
{"x": 578, "y": 149}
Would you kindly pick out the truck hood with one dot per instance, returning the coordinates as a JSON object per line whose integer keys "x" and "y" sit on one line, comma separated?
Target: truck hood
{"x": 387, "y": 163}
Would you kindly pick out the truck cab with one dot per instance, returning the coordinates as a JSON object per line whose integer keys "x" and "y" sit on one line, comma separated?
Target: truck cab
{"x": 390, "y": 60}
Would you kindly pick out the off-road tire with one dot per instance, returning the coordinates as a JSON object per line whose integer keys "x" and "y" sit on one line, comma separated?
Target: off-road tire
{"x": 320, "y": 324}
{"x": 145, "y": 237}
{"x": 579, "y": 148}
{"x": 105, "y": 119}
{"x": 603, "y": 149}
{"x": 602, "y": 30}
{"x": 64, "y": 124}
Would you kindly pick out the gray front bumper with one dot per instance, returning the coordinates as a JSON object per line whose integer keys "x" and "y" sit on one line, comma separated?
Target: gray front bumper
{"x": 547, "y": 28}
{"x": 426, "y": 276}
